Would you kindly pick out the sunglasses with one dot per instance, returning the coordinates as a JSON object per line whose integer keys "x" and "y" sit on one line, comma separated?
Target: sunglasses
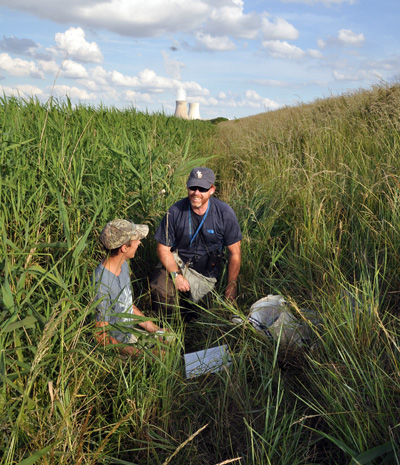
{"x": 200, "y": 189}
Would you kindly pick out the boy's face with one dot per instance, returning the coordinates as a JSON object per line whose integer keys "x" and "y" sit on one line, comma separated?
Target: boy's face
{"x": 130, "y": 251}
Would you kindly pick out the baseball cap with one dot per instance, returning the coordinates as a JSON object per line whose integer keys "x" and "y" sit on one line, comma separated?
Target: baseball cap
{"x": 202, "y": 177}
{"x": 118, "y": 232}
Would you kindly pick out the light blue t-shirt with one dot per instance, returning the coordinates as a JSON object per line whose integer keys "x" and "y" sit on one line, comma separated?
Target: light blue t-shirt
{"x": 115, "y": 296}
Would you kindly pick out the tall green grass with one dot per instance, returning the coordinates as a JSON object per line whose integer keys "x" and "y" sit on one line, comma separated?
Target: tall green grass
{"x": 316, "y": 190}
{"x": 65, "y": 173}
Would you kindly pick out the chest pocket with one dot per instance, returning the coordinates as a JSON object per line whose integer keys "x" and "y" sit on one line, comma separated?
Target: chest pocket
{"x": 212, "y": 237}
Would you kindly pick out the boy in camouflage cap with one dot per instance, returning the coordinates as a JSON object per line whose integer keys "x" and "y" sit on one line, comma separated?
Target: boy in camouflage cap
{"x": 121, "y": 239}
{"x": 119, "y": 232}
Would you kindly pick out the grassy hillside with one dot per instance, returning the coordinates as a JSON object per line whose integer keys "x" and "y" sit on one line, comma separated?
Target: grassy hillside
{"x": 322, "y": 181}
{"x": 316, "y": 190}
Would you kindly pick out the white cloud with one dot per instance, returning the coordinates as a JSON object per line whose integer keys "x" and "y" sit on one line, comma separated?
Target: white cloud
{"x": 172, "y": 67}
{"x": 255, "y": 100}
{"x": 23, "y": 90}
{"x": 250, "y": 99}
{"x": 281, "y": 30}
{"x": 152, "y": 18}
{"x": 73, "y": 93}
{"x": 149, "y": 18}
{"x": 99, "y": 80}
{"x": 194, "y": 89}
{"x": 270, "y": 105}
{"x": 252, "y": 95}
{"x": 229, "y": 19}
{"x": 73, "y": 70}
{"x": 208, "y": 101}
{"x": 19, "y": 67}
{"x": 357, "y": 75}
{"x": 212, "y": 101}
{"x": 72, "y": 42}
{"x": 389, "y": 64}
{"x": 124, "y": 81}
{"x": 99, "y": 75}
{"x": 149, "y": 81}
{"x": 348, "y": 37}
{"x": 346, "y": 77}
{"x": 271, "y": 83}
{"x": 220, "y": 44}
{"x": 345, "y": 37}
{"x": 49, "y": 67}
{"x": 68, "y": 69}
{"x": 133, "y": 18}
{"x": 314, "y": 53}
{"x": 89, "y": 84}
{"x": 282, "y": 49}
{"x": 323, "y": 2}
{"x": 137, "y": 97}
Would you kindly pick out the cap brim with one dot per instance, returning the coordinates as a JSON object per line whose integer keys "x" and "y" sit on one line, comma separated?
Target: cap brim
{"x": 141, "y": 231}
{"x": 199, "y": 183}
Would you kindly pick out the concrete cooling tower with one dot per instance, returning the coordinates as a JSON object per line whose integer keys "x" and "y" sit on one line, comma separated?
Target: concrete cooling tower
{"x": 181, "y": 109}
{"x": 194, "y": 112}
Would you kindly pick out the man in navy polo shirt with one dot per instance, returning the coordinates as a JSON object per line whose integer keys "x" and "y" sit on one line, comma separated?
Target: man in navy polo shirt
{"x": 192, "y": 238}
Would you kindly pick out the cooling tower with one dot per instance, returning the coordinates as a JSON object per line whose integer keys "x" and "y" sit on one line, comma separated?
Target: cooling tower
{"x": 181, "y": 109}
{"x": 194, "y": 112}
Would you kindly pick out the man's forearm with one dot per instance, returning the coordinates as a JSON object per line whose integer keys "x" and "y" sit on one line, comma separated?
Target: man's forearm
{"x": 233, "y": 270}
{"x": 166, "y": 258}
{"x": 234, "y": 262}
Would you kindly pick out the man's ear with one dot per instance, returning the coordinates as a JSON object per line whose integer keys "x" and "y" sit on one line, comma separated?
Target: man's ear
{"x": 212, "y": 190}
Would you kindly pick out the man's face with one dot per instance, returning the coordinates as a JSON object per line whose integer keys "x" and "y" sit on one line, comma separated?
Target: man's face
{"x": 198, "y": 196}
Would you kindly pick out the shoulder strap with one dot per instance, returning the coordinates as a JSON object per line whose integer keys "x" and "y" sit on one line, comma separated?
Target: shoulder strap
{"x": 193, "y": 236}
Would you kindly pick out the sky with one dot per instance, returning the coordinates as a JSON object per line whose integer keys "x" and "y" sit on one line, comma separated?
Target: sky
{"x": 236, "y": 58}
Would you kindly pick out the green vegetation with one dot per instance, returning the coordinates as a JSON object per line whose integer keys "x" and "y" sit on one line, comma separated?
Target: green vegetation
{"x": 317, "y": 192}
{"x": 220, "y": 119}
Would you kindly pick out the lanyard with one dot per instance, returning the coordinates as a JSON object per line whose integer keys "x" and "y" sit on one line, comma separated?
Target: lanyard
{"x": 192, "y": 238}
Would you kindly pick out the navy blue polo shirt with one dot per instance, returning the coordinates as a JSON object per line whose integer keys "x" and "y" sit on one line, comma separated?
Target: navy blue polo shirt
{"x": 220, "y": 229}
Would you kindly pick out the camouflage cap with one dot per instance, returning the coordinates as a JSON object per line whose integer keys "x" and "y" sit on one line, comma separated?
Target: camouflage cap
{"x": 118, "y": 232}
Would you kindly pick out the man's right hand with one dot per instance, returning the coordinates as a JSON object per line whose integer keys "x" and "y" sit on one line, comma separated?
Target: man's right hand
{"x": 182, "y": 284}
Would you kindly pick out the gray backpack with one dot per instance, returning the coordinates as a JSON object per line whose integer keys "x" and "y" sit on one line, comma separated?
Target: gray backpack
{"x": 272, "y": 318}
